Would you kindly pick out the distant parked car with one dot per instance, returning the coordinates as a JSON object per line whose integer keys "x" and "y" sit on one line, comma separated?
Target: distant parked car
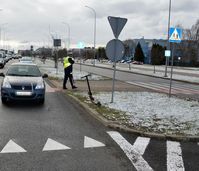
{"x": 7, "y": 57}
{"x": 137, "y": 62}
{"x": 23, "y": 81}
{"x": 2, "y": 62}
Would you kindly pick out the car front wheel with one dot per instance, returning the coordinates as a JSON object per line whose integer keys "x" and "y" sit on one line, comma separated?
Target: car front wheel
{"x": 41, "y": 101}
{"x": 4, "y": 100}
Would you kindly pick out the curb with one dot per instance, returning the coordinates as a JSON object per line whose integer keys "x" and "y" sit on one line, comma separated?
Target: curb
{"x": 116, "y": 126}
{"x": 164, "y": 78}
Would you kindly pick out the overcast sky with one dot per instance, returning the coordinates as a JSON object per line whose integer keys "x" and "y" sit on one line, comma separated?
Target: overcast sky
{"x": 26, "y": 22}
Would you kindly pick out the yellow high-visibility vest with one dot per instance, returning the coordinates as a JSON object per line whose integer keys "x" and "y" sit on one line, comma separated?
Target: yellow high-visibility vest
{"x": 66, "y": 62}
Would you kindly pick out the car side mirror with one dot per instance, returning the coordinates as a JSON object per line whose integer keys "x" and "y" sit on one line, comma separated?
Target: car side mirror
{"x": 2, "y": 75}
{"x": 45, "y": 76}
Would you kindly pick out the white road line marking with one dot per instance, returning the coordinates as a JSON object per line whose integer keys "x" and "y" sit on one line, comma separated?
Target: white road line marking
{"x": 54, "y": 145}
{"x": 149, "y": 87}
{"x": 12, "y": 147}
{"x": 90, "y": 143}
{"x": 132, "y": 151}
{"x": 176, "y": 90}
{"x": 141, "y": 144}
{"x": 174, "y": 157}
{"x": 164, "y": 88}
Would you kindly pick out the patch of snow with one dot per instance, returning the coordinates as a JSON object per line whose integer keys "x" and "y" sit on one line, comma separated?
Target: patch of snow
{"x": 155, "y": 111}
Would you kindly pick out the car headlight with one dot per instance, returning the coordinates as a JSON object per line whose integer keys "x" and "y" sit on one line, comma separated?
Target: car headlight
{"x": 6, "y": 84}
{"x": 40, "y": 85}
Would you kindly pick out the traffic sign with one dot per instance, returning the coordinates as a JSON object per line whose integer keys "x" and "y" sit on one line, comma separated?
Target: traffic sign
{"x": 167, "y": 53}
{"x": 117, "y": 24}
{"x": 115, "y": 50}
{"x": 175, "y": 35}
{"x": 80, "y": 45}
{"x": 57, "y": 42}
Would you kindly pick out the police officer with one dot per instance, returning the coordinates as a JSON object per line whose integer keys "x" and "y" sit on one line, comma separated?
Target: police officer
{"x": 68, "y": 69}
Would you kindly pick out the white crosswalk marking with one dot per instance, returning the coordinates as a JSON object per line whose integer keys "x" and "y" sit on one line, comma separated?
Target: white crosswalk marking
{"x": 176, "y": 88}
{"x": 163, "y": 87}
{"x": 12, "y": 147}
{"x": 54, "y": 145}
{"x": 141, "y": 144}
{"x": 90, "y": 143}
{"x": 174, "y": 157}
{"x": 132, "y": 152}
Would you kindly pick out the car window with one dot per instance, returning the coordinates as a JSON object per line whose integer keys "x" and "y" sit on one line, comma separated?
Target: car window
{"x": 24, "y": 70}
{"x": 26, "y": 60}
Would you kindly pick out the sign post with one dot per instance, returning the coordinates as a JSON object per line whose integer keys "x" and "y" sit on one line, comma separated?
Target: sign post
{"x": 80, "y": 46}
{"x": 175, "y": 36}
{"x": 115, "y": 47}
{"x": 56, "y": 43}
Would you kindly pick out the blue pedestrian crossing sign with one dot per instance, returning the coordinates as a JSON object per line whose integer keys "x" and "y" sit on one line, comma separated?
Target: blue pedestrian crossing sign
{"x": 175, "y": 35}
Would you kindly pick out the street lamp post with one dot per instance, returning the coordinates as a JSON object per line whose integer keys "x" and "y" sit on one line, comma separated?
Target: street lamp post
{"x": 0, "y": 28}
{"x": 68, "y": 34}
{"x": 94, "y": 31}
{"x": 169, "y": 21}
{"x": 1, "y": 40}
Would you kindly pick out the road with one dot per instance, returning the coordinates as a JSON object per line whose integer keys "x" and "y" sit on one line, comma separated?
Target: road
{"x": 158, "y": 84}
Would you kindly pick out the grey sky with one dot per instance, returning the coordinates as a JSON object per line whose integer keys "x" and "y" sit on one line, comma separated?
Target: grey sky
{"x": 29, "y": 21}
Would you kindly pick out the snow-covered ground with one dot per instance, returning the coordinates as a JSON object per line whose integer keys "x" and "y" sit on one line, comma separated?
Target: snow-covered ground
{"x": 155, "y": 112}
{"x": 151, "y": 111}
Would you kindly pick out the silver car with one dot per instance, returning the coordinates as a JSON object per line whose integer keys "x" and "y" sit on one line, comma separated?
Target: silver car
{"x": 23, "y": 81}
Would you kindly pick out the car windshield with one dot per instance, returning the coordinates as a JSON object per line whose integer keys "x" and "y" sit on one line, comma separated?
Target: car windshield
{"x": 24, "y": 70}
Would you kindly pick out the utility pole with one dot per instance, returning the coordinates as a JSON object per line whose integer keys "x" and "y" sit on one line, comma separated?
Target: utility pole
{"x": 94, "y": 31}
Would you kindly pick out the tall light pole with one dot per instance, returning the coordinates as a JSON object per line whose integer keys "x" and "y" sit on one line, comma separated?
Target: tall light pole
{"x": 1, "y": 40}
{"x": 0, "y": 28}
{"x": 169, "y": 22}
{"x": 68, "y": 33}
{"x": 94, "y": 31}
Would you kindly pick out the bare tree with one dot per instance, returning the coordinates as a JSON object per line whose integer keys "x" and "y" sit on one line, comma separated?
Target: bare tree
{"x": 190, "y": 44}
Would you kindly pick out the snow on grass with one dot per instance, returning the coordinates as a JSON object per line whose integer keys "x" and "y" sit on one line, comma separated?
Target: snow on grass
{"x": 154, "y": 111}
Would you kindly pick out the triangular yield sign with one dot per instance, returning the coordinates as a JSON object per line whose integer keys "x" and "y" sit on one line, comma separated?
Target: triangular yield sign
{"x": 54, "y": 145}
{"x": 12, "y": 147}
{"x": 90, "y": 143}
{"x": 117, "y": 24}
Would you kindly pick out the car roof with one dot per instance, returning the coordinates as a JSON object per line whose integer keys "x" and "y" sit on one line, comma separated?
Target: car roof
{"x": 20, "y": 63}
{"x": 26, "y": 57}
